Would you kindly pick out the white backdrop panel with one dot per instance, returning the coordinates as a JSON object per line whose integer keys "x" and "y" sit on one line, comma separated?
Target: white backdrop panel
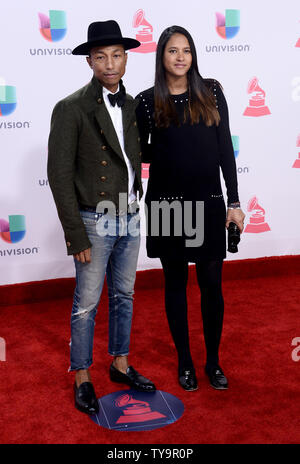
{"x": 43, "y": 72}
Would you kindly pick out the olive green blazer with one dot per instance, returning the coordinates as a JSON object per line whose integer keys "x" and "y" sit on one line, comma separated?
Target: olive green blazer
{"x": 85, "y": 160}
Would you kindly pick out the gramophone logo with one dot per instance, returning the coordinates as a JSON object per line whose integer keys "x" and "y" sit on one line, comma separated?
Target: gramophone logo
{"x": 228, "y": 25}
{"x": 134, "y": 410}
{"x": 8, "y": 98}
{"x": 257, "y": 223}
{"x": 298, "y": 43}
{"x": 144, "y": 33}
{"x": 53, "y": 27}
{"x": 257, "y": 106}
{"x": 236, "y": 145}
{"x": 145, "y": 170}
{"x": 129, "y": 410}
{"x": 297, "y": 162}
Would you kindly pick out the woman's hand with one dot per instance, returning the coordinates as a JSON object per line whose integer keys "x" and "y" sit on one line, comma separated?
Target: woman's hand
{"x": 237, "y": 216}
{"x": 84, "y": 256}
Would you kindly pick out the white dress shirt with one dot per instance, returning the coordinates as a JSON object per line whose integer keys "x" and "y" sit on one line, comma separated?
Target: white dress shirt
{"x": 115, "y": 113}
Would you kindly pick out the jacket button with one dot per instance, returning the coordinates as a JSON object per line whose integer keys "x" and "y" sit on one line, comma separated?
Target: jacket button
{"x": 140, "y": 153}
{"x": 99, "y": 100}
{"x": 134, "y": 124}
{"x": 139, "y": 139}
{"x": 102, "y": 194}
{"x": 101, "y": 132}
{"x": 104, "y": 163}
{"x": 68, "y": 244}
{"x": 104, "y": 147}
{"x": 103, "y": 178}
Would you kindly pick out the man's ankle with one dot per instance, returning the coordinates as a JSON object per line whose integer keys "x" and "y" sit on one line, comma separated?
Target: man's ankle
{"x": 82, "y": 375}
{"x": 121, "y": 363}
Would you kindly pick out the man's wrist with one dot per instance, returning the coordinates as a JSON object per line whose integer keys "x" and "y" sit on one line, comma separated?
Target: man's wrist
{"x": 234, "y": 205}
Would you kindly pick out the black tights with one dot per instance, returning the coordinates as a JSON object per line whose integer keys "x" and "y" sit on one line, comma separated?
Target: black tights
{"x": 209, "y": 276}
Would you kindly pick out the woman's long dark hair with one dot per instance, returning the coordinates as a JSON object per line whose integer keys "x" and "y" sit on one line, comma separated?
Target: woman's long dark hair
{"x": 201, "y": 100}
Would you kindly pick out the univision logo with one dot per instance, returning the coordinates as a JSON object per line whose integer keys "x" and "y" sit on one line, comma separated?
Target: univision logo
{"x": 53, "y": 28}
{"x": 8, "y": 104}
{"x": 227, "y": 27}
{"x": 8, "y": 98}
{"x": 236, "y": 148}
{"x": 13, "y": 231}
{"x": 236, "y": 145}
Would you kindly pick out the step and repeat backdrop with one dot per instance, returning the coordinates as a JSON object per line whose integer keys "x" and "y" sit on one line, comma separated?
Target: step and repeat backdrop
{"x": 252, "y": 48}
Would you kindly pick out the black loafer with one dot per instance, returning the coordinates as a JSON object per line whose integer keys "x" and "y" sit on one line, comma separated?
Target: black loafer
{"x": 131, "y": 378}
{"x": 85, "y": 398}
{"x": 188, "y": 380}
{"x": 217, "y": 378}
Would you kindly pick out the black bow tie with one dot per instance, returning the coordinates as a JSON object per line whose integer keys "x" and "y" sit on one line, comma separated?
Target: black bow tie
{"x": 118, "y": 98}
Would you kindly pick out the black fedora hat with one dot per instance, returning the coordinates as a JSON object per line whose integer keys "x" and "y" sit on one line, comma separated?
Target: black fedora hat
{"x": 104, "y": 33}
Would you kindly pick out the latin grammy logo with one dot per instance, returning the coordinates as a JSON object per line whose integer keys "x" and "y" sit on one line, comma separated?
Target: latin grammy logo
{"x": 135, "y": 410}
{"x": 257, "y": 219}
{"x": 256, "y": 105}
{"x": 144, "y": 34}
{"x": 297, "y": 162}
{"x": 145, "y": 170}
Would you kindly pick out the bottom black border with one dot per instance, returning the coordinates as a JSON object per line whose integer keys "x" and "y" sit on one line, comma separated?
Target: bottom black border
{"x": 152, "y": 453}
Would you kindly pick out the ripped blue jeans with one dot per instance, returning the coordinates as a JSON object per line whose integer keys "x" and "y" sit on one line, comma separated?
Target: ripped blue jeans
{"x": 114, "y": 253}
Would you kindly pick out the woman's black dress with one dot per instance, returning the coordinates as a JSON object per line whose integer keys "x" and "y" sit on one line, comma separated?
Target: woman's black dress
{"x": 185, "y": 164}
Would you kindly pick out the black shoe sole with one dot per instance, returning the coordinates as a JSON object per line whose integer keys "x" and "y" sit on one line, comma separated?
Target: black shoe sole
{"x": 119, "y": 381}
{"x": 218, "y": 388}
{"x": 80, "y": 408}
{"x": 146, "y": 390}
{"x": 124, "y": 382}
{"x": 189, "y": 389}
{"x": 85, "y": 411}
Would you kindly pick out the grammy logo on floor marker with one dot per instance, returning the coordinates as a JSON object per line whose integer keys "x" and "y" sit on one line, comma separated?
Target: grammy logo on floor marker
{"x": 128, "y": 410}
{"x": 133, "y": 410}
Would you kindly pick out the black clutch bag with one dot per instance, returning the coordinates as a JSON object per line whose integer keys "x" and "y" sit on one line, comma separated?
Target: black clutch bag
{"x": 233, "y": 237}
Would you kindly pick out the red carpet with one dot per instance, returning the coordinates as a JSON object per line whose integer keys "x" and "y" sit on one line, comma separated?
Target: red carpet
{"x": 262, "y": 404}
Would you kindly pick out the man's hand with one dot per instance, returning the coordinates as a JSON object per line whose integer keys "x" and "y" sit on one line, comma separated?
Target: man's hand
{"x": 84, "y": 256}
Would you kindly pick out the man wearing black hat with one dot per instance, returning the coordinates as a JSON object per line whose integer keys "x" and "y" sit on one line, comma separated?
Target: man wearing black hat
{"x": 94, "y": 171}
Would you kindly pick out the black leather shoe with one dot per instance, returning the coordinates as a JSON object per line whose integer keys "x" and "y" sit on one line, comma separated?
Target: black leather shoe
{"x": 131, "y": 378}
{"x": 188, "y": 380}
{"x": 85, "y": 398}
{"x": 217, "y": 378}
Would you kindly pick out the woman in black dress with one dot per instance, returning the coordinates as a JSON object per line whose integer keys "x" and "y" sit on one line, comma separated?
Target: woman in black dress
{"x": 185, "y": 136}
